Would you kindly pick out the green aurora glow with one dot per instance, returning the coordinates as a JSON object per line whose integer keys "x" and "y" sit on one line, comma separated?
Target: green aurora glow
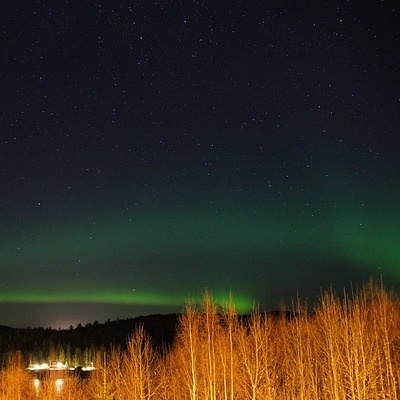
{"x": 256, "y": 155}
{"x": 94, "y": 261}
{"x": 241, "y": 304}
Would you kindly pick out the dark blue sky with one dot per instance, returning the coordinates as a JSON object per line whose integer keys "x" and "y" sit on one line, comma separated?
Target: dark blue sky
{"x": 152, "y": 149}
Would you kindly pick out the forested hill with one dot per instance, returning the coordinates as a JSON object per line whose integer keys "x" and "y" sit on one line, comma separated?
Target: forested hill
{"x": 81, "y": 345}
{"x": 5, "y": 329}
{"x": 82, "y": 342}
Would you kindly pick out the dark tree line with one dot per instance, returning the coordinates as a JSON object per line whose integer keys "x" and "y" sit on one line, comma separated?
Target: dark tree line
{"x": 80, "y": 345}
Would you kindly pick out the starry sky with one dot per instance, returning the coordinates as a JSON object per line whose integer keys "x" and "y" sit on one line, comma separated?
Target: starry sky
{"x": 150, "y": 150}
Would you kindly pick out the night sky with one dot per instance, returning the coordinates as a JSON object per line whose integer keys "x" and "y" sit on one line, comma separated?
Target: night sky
{"x": 150, "y": 150}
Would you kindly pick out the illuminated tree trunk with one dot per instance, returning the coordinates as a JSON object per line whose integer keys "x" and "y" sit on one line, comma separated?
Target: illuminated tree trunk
{"x": 102, "y": 382}
{"x": 386, "y": 320}
{"x": 227, "y": 349}
{"x": 255, "y": 358}
{"x": 16, "y": 382}
{"x": 330, "y": 348}
{"x": 211, "y": 327}
{"x": 187, "y": 351}
{"x": 297, "y": 343}
{"x": 139, "y": 368}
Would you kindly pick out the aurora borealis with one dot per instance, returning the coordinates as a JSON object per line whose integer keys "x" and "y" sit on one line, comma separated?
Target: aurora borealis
{"x": 153, "y": 150}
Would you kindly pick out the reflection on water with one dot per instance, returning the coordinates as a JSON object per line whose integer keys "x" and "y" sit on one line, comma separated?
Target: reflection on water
{"x": 59, "y": 384}
{"x": 55, "y": 379}
{"x": 38, "y": 384}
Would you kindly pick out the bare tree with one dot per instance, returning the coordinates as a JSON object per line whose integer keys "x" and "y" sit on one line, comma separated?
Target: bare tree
{"x": 103, "y": 382}
{"x": 16, "y": 382}
{"x": 256, "y": 357}
{"x": 139, "y": 368}
{"x": 211, "y": 327}
{"x": 226, "y": 349}
{"x": 187, "y": 351}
